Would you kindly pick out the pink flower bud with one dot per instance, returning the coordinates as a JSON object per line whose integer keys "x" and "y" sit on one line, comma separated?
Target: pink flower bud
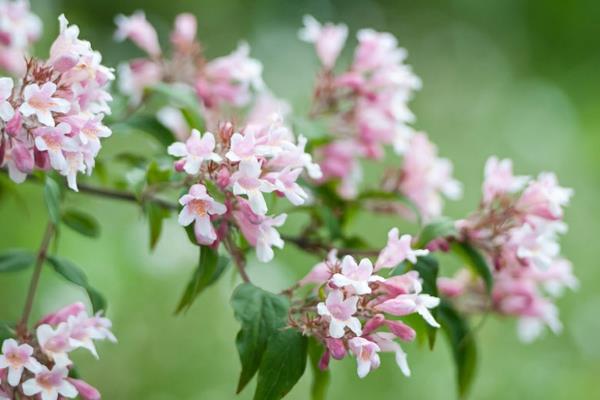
{"x": 373, "y": 324}
{"x": 14, "y": 125}
{"x": 336, "y": 347}
{"x": 185, "y": 30}
{"x": 179, "y": 165}
{"x": 223, "y": 178}
{"x": 401, "y": 330}
{"x": 86, "y": 391}
{"x": 324, "y": 361}
{"x": 63, "y": 314}
{"x": 42, "y": 160}
{"x": 22, "y": 158}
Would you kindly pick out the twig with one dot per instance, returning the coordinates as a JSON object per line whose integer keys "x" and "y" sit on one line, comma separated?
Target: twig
{"x": 35, "y": 278}
{"x": 238, "y": 258}
{"x": 312, "y": 245}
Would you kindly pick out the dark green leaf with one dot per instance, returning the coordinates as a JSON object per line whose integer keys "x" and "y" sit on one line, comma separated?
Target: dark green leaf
{"x": 282, "y": 365}
{"x": 475, "y": 260}
{"x": 156, "y": 216}
{"x": 261, "y": 313}
{"x": 210, "y": 267}
{"x": 441, "y": 228}
{"x": 74, "y": 274}
{"x": 52, "y": 199}
{"x": 16, "y": 260}
{"x": 332, "y": 222}
{"x": 320, "y": 383}
{"x": 81, "y": 222}
{"x": 7, "y": 330}
{"x": 463, "y": 346}
{"x": 147, "y": 124}
{"x": 158, "y": 173}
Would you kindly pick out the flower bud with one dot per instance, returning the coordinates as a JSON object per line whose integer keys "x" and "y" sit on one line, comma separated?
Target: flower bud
{"x": 86, "y": 391}
{"x": 401, "y": 330}
{"x": 373, "y": 324}
{"x": 336, "y": 347}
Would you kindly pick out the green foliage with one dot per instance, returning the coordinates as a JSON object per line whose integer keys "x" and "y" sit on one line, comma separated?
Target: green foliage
{"x": 147, "y": 124}
{"x": 183, "y": 98}
{"x": 209, "y": 270}
{"x": 16, "y": 260}
{"x": 81, "y": 222}
{"x": 462, "y": 343}
{"x": 261, "y": 314}
{"x": 440, "y": 228}
{"x": 321, "y": 379}
{"x": 475, "y": 260}
{"x": 52, "y": 198}
{"x": 74, "y": 274}
{"x": 156, "y": 216}
{"x": 282, "y": 364}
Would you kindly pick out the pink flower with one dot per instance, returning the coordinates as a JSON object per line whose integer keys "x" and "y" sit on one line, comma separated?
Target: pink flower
{"x": 405, "y": 304}
{"x": 340, "y": 313}
{"x": 19, "y": 27}
{"x": 137, "y": 29}
{"x": 295, "y": 156}
{"x": 401, "y": 330}
{"x": 397, "y": 250}
{"x": 321, "y": 272}
{"x": 85, "y": 390}
{"x": 535, "y": 245}
{"x": 336, "y": 348}
{"x": 329, "y": 39}
{"x": 366, "y": 355}
{"x": 247, "y": 181}
{"x": 385, "y": 341}
{"x": 195, "y": 150}
{"x": 376, "y": 50}
{"x": 242, "y": 147}
{"x": 55, "y": 141}
{"x": 198, "y": 206}
{"x": 49, "y": 384}
{"x": 55, "y": 343}
{"x": 184, "y": 33}
{"x": 544, "y": 197}
{"x": 19, "y": 160}
{"x": 137, "y": 75}
{"x": 6, "y": 109}
{"x": 16, "y": 358}
{"x": 67, "y": 49}
{"x": 408, "y": 283}
{"x": 357, "y": 276}
{"x": 39, "y": 102}
{"x": 285, "y": 182}
{"x": 63, "y": 314}
{"x": 499, "y": 179}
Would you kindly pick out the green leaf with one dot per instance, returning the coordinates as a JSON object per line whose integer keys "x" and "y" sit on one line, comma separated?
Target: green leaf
{"x": 81, "y": 222}
{"x": 210, "y": 267}
{"x": 147, "y": 124}
{"x": 282, "y": 365}
{"x": 7, "y": 330}
{"x": 184, "y": 98}
{"x": 332, "y": 222}
{"x": 462, "y": 342}
{"x": 16, "y": 260}
{"x": 74, "y": 274}
{"x": 441, "y": 228}
{"x": 52, "y": 199}
{"x": 475, "y": 260}
{"x": 320, "y": 383}
{"x": 158, "y": 173}
{"x": 156, "y": 216}
{"x": 428, "y": 268}
{"x": 261, "y": 313}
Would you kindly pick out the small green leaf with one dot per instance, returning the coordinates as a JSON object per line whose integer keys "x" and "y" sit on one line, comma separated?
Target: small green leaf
{"x": 52, "y": 198}
{"x": 462, "y": 342}
{"x": 156, "y": 216}
{"x": 81, "y": 222}
{"x": 475, "y": 260}
{"x": 147, "y": 124}
{"x": 7, "y": 330}
{"x": 210, "y": 267}
{"x": 282, "y": 365}
{"x": 441, "y": 228}
{"x": 320, "y": 383}
{"x": 332, "y": 222}
{"x": 74, "y": 274}
{"x": 158, "y": 173}
{"x": 261, "y": 313}
{"x": 16, "y": 260}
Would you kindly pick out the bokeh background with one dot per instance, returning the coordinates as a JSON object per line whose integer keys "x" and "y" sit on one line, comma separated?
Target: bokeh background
{"x": 514, "y": 78}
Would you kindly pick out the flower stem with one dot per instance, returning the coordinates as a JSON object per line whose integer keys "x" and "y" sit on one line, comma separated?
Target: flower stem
{"x": 35, "y": 278}
{"x": 238, "y": 258}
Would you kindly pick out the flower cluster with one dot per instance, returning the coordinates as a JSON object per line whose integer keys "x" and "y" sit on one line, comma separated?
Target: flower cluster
{"x": 358, "y": 305}
{"x": 241, "y": 166}
{"x": 370, "y": 104}
{"x": 40, "y": 365}
{"x": 51, "y": 118}
{"x": 517, "y": 227}
{"x": 19, "y": 29}
{"x": 233, "y": 80}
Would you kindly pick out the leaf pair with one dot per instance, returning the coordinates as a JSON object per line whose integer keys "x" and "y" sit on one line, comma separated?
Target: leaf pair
{"x": 264, "y": 343}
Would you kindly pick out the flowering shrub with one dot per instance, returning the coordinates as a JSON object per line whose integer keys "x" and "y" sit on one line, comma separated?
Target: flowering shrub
{"x": 228, "y": 155}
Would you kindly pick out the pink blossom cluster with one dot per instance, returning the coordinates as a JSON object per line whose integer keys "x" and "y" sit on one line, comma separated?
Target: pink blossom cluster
{"x": 358, "y": 305}
{"x": 51, "y": 118}
{"x": 38, "y": 367}
{"x": 19, "y": 29}
{"x": 517, "y": 227}
{"x": 233, "y": 80}
{"x": 370, "y": 104}
{"x": 243, "y": 166}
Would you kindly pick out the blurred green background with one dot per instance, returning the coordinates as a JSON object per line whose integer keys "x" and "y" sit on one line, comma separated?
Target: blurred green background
{"x": 514, "y": 78}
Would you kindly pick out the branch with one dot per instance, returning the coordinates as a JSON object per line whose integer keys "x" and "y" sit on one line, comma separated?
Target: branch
{"x": 238, "y": 258}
